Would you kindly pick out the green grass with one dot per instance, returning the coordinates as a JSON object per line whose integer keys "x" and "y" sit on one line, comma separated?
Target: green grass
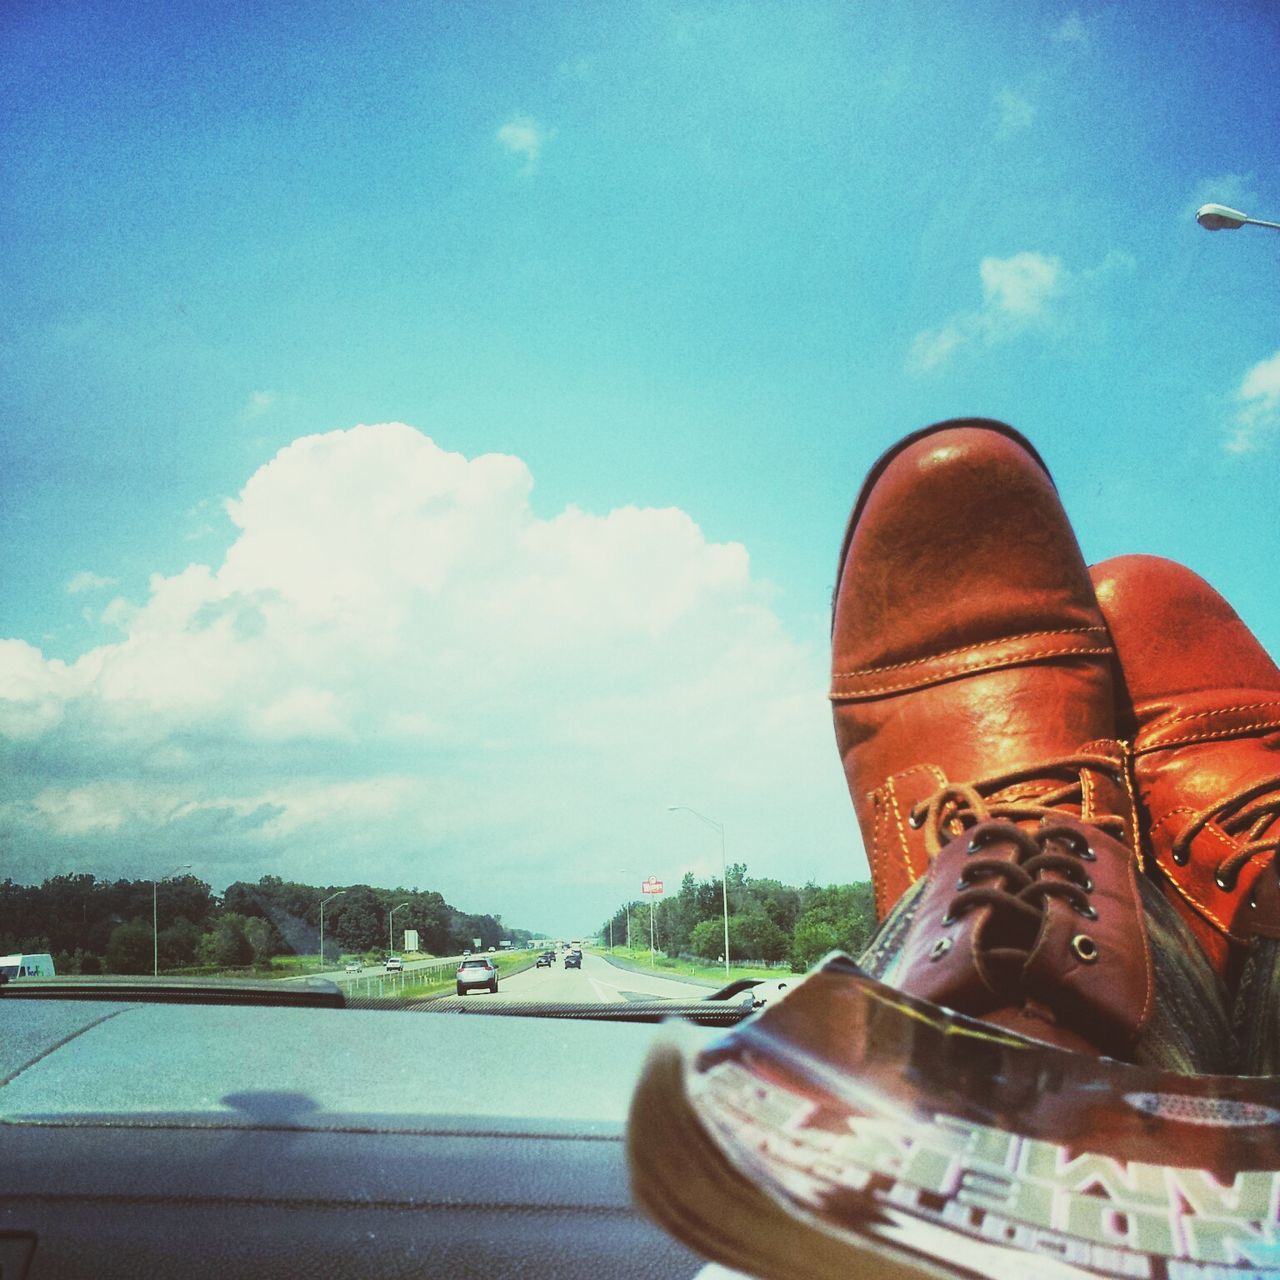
{"x": 640, "y": 958}
{"x": 368, "y": 989}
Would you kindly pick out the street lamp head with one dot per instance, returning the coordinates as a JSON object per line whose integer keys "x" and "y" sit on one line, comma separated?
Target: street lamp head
{"x": 1217, "y": 217}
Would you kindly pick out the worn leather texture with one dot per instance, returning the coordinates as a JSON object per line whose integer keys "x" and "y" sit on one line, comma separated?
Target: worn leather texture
{"x": 1200, "y": 699}
{"x": 1038, "y": 931}
{"x": 966, "y": 639}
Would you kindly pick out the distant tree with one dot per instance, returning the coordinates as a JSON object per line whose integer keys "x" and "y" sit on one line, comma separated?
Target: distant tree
{"x": 263, "y": 938}
{"x": 178, "y": 944}
{"x": 130, "y": 949}
{"x": 359, "y": 922}
{"x": 227, "y": 945}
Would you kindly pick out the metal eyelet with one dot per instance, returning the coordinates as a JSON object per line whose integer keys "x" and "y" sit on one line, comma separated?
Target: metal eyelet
{"x": 1088, "y": 912}
{"x": 1087, "y": 854}
{"x": 1226, "y": 884}
{"x": 915, "y": 821}
{"x": 948, "y": 919}
{"x": 939, "y": 948}
{"x": 1180, "y": 861}
{"x": 976, "y": 844}
{"x": 1087, "y": 885}
{"x": 962, "y": 884}
{"x": 1085, "y": 948}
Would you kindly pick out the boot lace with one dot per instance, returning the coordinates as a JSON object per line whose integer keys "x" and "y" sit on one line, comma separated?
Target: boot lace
{"x": 958, "y": 805}
{"x": 1249, "y": 817}
{"x": 1017, "y": 890}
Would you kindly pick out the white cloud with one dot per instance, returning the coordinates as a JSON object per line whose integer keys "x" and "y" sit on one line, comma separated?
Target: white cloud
{"x": 1071, "y": 30}
{"x": 524, "y": 136}
{"x": 1024, "y": 294}
{"x": 1017, "y": 293}
{"x": 1014, "y": 112}
{"x": 85, "y": 580}
{"x": 399, "y": 674}
{"x": 1258, "y": 416}
{"x": 1020, "y": 286}
{"x": 259, "y": 402}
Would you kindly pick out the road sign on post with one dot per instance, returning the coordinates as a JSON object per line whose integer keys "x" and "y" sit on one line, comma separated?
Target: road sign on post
{"x": 653, "y": 887}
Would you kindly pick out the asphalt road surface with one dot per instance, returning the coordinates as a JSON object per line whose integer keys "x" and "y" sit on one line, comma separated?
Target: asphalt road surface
{"x": 597, "y": 981}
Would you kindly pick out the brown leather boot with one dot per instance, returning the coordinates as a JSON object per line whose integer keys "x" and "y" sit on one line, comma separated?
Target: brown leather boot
{"x": 1203, "y": 700}
{"x": 974, "y": 711}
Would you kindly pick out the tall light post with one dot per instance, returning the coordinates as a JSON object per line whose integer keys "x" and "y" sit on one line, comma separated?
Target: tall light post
{"x": 155, "y": 919}
{"x": 724, "y": 870}
{"x": 1217, "y": 217}
{"x": 391, "y": 945}
{"x": 323, "y": 904}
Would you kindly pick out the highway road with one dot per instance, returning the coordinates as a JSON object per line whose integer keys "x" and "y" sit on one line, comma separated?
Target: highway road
{"x": 597, "y": 981}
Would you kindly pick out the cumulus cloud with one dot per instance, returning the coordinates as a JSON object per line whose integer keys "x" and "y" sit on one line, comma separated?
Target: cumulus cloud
{"x": 85, "y": 580}
{"x": 1027, "y": 293}
{"x": 524, "y": 136}
{"x": 1258, "y": 416}
{"x": 399, "y": 673}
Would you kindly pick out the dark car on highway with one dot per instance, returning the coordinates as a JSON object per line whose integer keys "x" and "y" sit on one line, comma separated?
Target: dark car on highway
{"x": 573, "y": 960}
{"x": 547, "y": 958}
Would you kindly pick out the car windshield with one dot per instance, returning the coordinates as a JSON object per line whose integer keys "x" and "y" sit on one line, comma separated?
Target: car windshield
{"x": 429, "y": 432}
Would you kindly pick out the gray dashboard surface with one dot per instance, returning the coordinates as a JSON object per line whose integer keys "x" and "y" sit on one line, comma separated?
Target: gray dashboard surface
{"x": 192, "y": 1140}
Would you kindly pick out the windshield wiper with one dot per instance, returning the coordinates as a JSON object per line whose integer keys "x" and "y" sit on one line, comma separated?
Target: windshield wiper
{"x": 305, "y": 993}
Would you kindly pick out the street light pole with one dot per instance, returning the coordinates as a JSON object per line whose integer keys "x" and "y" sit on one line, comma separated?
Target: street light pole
{"x": 327, "y": 900}
{"x": 724, "y": 870}
{"x": 391, "y": 943}
{"x": 155, "y": 920}
{"x": 1217, "y": 217}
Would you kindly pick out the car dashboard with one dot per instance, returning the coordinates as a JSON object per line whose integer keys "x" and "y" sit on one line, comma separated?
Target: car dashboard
{"x": 195, "y": 1139}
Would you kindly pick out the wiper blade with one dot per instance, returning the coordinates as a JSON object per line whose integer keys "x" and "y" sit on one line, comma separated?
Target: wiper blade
{"x": 308, "y": 993}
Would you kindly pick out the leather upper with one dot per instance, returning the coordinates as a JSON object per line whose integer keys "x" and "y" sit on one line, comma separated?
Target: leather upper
{"x": 966, "y": 639}
{"x": 1071, "y": 961}
{"x": 974, "y": 702}
{"x": 1203, "y": 705}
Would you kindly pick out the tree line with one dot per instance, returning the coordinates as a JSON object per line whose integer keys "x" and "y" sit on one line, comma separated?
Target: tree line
{"x": 769, "y": 921}
{"x": 105, "y": 926}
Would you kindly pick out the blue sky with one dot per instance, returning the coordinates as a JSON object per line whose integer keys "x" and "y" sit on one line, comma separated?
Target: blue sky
{"x": 650, "y": 287}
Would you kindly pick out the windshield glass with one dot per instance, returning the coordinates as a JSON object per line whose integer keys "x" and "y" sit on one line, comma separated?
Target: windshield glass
{"x": 429, "y": 430}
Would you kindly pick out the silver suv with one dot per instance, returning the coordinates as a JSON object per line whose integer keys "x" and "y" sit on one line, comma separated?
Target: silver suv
{"x": 479, "y": 971}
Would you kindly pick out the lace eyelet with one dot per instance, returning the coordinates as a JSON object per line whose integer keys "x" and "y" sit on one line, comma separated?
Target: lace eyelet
{"x": 947, "y": 920}
{"x": 1087, "y": 885}
{"x": 1087, "y": 912}
{"x": 1225, "y": 883}
{"x": 1180, "y": 861}
{"x": 976, "y": 844}
{"x": 915, "y": 820}
{"x": 939, "y": 948}
{"x": 962, "y": 884}
{"x": 1085, "y": 948}
{"x": 1087, "y": 854}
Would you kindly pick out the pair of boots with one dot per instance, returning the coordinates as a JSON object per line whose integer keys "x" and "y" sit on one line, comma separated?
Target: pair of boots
{"x": 1067, "y": 780}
